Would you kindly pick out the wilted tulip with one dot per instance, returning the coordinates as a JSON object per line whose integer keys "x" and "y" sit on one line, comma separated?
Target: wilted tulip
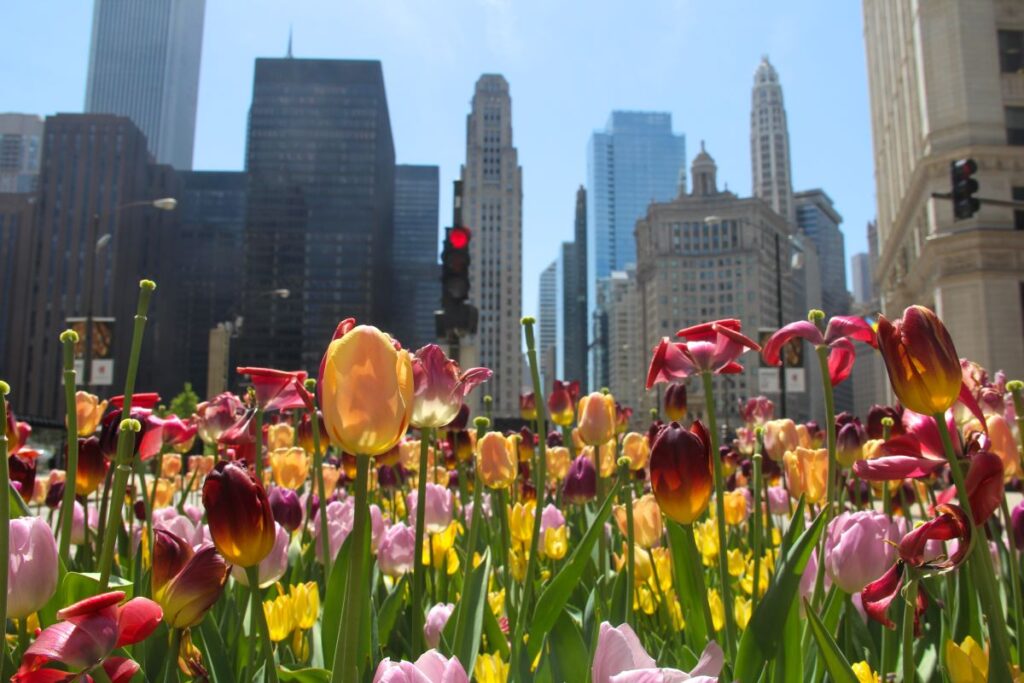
{"x": 215, "y": 416}
{"x": 437, "y": 617}
{"x": 859, "y": 548}
{"x": 396, "y": 551}
{"x": 675, "y": 402}
{"x": 984, "y": 484}
{"x": 1004, "y": 445}
{"x": 440, "y": 387}
{"x": 580, "y": 484}
{"x": 647, "y": 523}
{"x": 562, "y": 401}
{"x": 681, "y": 471}
{"x": 186, "y": 583}
{"x": 838, "y": 339}
{"x": 278, "y": 389}
{"x": 366, "y": 390}
{"x": 597, "y": 418}
{"x": 273, "y": 566}
{"x": 438, "y": 511}
{"x": 708, "y": 347}
{"x": 239, "y": 514}
{"x": 31, "y": 568}
{"x": 496, "y": 460}
{"x": 290, "y": 467}
{"x": 286, "y": 507}
{"x": 923, "y": 365}
{"x": 634, "y": 447}
{"x": 950, "y": 522}
{"x": 89, "y": 411}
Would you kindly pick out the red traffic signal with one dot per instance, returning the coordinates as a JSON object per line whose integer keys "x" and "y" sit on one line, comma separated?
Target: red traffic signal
{"x": 459, "y": 237}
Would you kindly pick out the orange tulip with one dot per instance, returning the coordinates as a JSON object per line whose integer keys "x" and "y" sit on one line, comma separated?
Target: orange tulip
{"x": 280, "y": 435}
{"x": 496, "y": 460}
{"x": 170, "y": 465}
{"x": 597, "y": 418}
{"x": 89, "y": 410}
{"x": 780, "y": 436}
{"x": 162, "y": 491}
{"x": 807, "y": 473}
{"x": 647, "y": 523}
{"x": 366, "y": 390}
{"x": 681, "y": 475}
{"x": 922, "y": 362}
{"x": 558, "y": 463}
{"x": 331, "y": 476}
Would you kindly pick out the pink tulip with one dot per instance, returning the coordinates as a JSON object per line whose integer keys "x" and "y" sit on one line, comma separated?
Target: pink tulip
{"x": 213, "y": 417}
{"x": 551, "y": 518}
{"x": 858, "y": 548}
{"x": 162, "y": 432}
{"x": 438, "y": 510}
{"x": 340, "y": 518}
{"x": 396, "y": 553}
{"x": 437, "y": 617}
{"x": 893, "y": 467}
{"x": 32, "y": 566}
{"x": 440, "y": 386}
{"x": 620, "y": 658}
{"x": 273, "y": 565}
{"x": 778, "y": 500}
{"x": 431, "y": 667}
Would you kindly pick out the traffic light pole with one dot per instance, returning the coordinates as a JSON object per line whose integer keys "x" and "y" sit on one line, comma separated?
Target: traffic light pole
{"x": 1009, "y": 203}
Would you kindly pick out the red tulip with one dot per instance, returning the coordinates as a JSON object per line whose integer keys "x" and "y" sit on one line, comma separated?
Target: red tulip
{"x": 186, "y": 583}
{"x": 562, "y": 401}
{"x": 279, "y": 389}
{"x": 985, "y": 489}
{"x": 708, "y": 347}
{"x": 161, "y": 432}
{"x": 22, "y": 469}
{"x": 215, "y": 416}
{"x": 239, "y": 513}
{"x": 681, "y": 471}
{"x": 528, "y": 406}
{"x": 840, "y": 330}
{"x": 675, "y": 402}
{"x": 924, "y": 368}
{"x": 241, "y": 437}
{"x": 92, "y": 466}
{"x": 951, "y": 522}
{"x": 878, "y": 595}
{"x": 146, "y": 401}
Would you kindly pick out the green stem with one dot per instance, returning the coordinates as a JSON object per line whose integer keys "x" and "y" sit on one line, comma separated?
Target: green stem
{"x": 758, "y": 534}
{"x": 321, "y": 488}
{"x": 252, "y": 574}
{"x": 418, "y": 573}
{"x": 626, "y": 493}
{"x": 910, "y": 604}
{"x": 1013, "y": 577}
{"x": 830, "y": 431}
{"x": 5, "y": 516}
{"x": 67, "y": 507}
{"x": 568, "y": 441}
{"x": 125, "y": 444}
{"x": 188, "y": 489}
{"x": 171, "y": 663}
{"x": 723, "y": 562}
{"x": 347, "y": 659}
{"x": 258, "y": 456}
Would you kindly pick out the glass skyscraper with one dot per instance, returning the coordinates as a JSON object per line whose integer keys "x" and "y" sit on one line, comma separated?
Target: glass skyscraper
{"x": 416, "y": 288}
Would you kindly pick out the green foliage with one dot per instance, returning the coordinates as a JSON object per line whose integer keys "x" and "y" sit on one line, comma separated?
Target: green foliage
{"x": 184, "y": 404}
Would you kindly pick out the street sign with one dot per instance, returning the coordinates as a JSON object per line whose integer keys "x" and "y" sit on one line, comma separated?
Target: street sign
{"x": 768, "y": 380}
{"x": 796, "y": 380}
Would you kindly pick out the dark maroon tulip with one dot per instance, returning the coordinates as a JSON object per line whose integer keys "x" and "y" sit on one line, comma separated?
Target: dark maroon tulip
{"x": 185, "y": 582}
{"x": 950, "y": 522}
{"x": 675, "y": 402}
{"x": 580, "y": 484}
{"x": 389, "y": 477}
{"x": 875, "y": 415}
{"x": 239, "y": 514}
{"x": 241, "y": 437}
{"x": 555, "y": 438}
{"x": 305, "y": 433}
{"x": 92, "y": 466}
{"x": 1017, "y": 522}
{"x": 681, "y": 472}
{"x": 850, "y": 443}
{"x": 139, "y": 508}
{"x": 55, "y": 495}
{"x": 22, "y": 468}
{"x": 111, "y": 428}
{"x": 286, "y": 508}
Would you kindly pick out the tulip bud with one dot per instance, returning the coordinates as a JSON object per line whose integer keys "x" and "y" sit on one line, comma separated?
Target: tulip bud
{"x": 597, "y": 421}
{"x": 850, "y": 444}
{"x": 859, "y": 547}
{"x": 496, "y": 460}
{"x": 396, "y": 552}
{"x": 286, "y": 507}
{"x": 528, "y": 406}
{"x": 186, "y": 583}
{"x": 239, "y": 514}
{"x": 681, "y": 474}
{"x": 922, "y": 362}
{"x": 89, "y": 411}
{"x": 675, "y": 402}
{"x": 31, "y": 568}
{"x": 634, "y": 447}
{"x": 561, "y": 401}
{"x": 581, "y": 481}
{"x": 437, "y": 617}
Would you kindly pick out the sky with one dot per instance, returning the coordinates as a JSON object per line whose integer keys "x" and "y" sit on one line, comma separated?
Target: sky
{"x": 569, "y": 64}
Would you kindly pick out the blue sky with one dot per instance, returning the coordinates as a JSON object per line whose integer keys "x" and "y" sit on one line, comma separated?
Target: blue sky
{"x": 569, "y": 64}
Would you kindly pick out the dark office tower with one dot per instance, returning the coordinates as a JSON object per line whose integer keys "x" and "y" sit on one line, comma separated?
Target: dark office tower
{"x": 15, "y": 228}
{"x": 573, "y": 307}
{"x": 320, "y": 208}
{"x": 144, "y": 64}
{"x": 207, "y": 264}
{"x": 817, "y": 217}
{"x": 95, "y": 230}
{"x": 416, "y": 279}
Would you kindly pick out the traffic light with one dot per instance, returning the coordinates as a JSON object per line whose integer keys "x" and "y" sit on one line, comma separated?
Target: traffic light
{"x": 965, "y": 204}
{"x": 455, "y": 267}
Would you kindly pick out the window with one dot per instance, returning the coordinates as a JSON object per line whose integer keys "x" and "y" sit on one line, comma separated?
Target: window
{"x": 1015, "y": 125}
{"x": 1011, "y": 51}
{"x": 1018, "y": 214}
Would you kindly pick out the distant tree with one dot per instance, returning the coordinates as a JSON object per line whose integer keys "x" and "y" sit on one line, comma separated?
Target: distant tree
{"x": 184, "y": 404}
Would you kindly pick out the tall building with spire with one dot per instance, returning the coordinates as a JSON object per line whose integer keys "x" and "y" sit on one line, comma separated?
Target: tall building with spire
{"x": 572, "y": 307}
{"x": 144, "y": 64}
{"x": 492, "y": 208}
{"x": 769, "y": 142}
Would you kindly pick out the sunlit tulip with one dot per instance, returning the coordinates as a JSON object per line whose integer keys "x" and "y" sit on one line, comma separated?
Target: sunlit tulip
{"x": 437, "y": 617}
{"x": 737, "y": 506}
{"x": 850, "y": 444}
{"x": 558, "y": 464}
{"x": 675, "y": 402}
{"x": 528, "y": 406}
{"x": 286, "y": 507}
{"x": 170, "y": 465}
{"x": 859, "y": 548}
{"x": 290, "y": 466}
{"x": 85, "y": 635}
{"x": 923, "y": 365}
{"x": 562, "y": 401}
{"x": 580, "y": 484}
{"x": 1004, "y": 445}
{"x": 92, "y": 466}
{"x": 708, "y": 347}
{"x": 779, "y": 436}
{"x": 89, "y": 410}
{"x": 490, "y": 668}
{"x": 280, "y": 435}
{"x": 556, "y": 542}
{"x": 280, "y": 617}
{"x": 525, "y": 442}
{"x": 185, "y": 582}
{"x": 597, "y": 418}
{"x": 966, "y": 662}
{"x": 440, "y": 386}
{"x": 162, "y": 492}
{"x": 366, "y": 390}
{"x": 278, "y": 389}
{"x": 496, "y": 460}
{"x": 438, "y": 511}
{"x": 647, "y": 523}
{"x": 213, "y": 417}
{"x": 431, "y": 667}
{"x": 634, "y": 447}
{"x": 681, "y": 471}
{"x": 620, "y": 657}
{"x": 606, "y": 455}
{"x": 162, "y": 434}
{"x": 807, "y": 473}
{"x": 520, "y": 519}
{"x": 32, "y": 566}
{"x": 273, "y": 566}
{"x": 397, "y": 550}
{"x": 241, "y": 521}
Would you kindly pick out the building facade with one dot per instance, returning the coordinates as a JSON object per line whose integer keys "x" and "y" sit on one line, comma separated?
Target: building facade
{"x": 946, "y": 82}
{"x": 863, "y": 292}
{"x": 320, "y": 207}
{"x": 21, "y": 145}
{"x": 572, "y": 306}
{"x": 818, "y": 220}
{"x": 620, "y": 306}
{"x": 15, "y": 227}
{"x": 416, "y": 284}
{"x": 549, "y": 291}
{"x": 144, "y": 64}
{"x": 769, "y": 142}
{"x": 492, "y": 207}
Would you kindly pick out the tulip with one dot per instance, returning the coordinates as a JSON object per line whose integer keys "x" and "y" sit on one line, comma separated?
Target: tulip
{"x": 623, "y": 414}
{"x": 22, "y": 469}
{"x": 286, "y": 508}
{"x": 758, "y": 410}
{"x": 241, "y": 438}
{"x": 779, "y": 436}
{"x": 984, "y": 484}
{"x": 305, "y": 435}
{"x": 520, "y": 519}
{"x": 581, "y": 481}
{"x": 859, "y": 548}
{"x": 397, "y": 550}
{"x": 558, "y": 464}
{"x": 280, "y": 435}
{"x": 179, "y": 525}
{"x": 278, "y": 389}
{"x": 89, "y": 411}
{"x": 737, "y": 506}
{"x": 239, "y": 514}
{"x": 431, "y": 667}
{"x": 850, "y": 444}
{"x": 162, "y": 492}
{"x": 681, "y": 471}
{"x": 170, "y": 465}
{"x": 875, "y": 415}
{"x": 86, "y": 634}
{"x": 31, "y": 567}
{"x": 366, "y": 390}
{"x": 92, "y": 466}
{"x": 273, "y": 565}
{"x": 340, "y": 522}
{"x": 597, "y": 418}
{"x": 950, "y": 523}
{"x": 923, "y": 365}
{"x": 1004, "y": 445}
{"x": 708, "y": 347}
{"x": 528, "y": 406}
{"x": 496, "y": 460}
{"x": 215, "y": 416}
{"x": 1017, "y": 526}
{"x": 186, "y": 583}
{"x": 647, "y": 523}
{"x": 290, "y": 467}
{"x": 490, "y": 668}
{"x": 675, "y": 402}
{"x": 621, "y": 658}
{"x": 164, "y": 433}
{"x": 438, "y": 510}
{"x": 807, "y": 473}
{"x": 967, "y": 662}
{"x": 437, "y": 617}
{"x": 561, "y": 401}
{"x": 440, "y": 387}
{"x": 634, "y": 447}
{"x": 837, "y": 339}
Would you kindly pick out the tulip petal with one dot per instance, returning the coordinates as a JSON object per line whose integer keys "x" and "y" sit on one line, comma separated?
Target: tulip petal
{"x": 669, "y": 363}
{"x": 985, "y": 488}
{"x": 136, "y": 619}
{"x": 892, "y": 467}
{"x": 711, "y": 661}
{"x": 91, "y": 605}
{"x": 878, "y": 595}
{"x": 77, "y": 646}
{"x": 801, "y": 329}
{"x": 850, "y": 327}
{"x": 840, "y": 360}
{"x": 120, "y": 669}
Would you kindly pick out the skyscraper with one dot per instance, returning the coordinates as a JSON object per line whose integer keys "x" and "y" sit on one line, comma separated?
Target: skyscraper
{"x": 144, "y": 64}
{"x": 15, "y": 228}
{"x": 863, "y": 292}
{"x": 636, "y": 160}
{"x": 416, "y": 288}
{"x": 818, "y": 219}
{"x": 21, "y": 144}
{"x": 769, "y": 142}
{"x": 572, "y": 308}
{"x": 946, "y": 82}
{"x": 492, "y": 207}
{"x": 547, "y": 321}
{"x": 320, "y": 207}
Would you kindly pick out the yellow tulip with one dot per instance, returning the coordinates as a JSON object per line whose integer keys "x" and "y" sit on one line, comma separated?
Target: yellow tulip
{"x": 280, "y": 435}
{"x": 170, "y": 465}
{"x": 706, "y": 537}
{"x": 305, "y": 604}
{"x": 862, "y": 670}
{"x": 596, "y": 418}
{"x": 162, "y": 491}
{"x": 89, "y": 411}
{"x": 366, "y": 389}
{"x": 556, "y": 542}
{"x": 290, "y": 466}
{"x": 517, "y": 560}
{"x": 717, "y": 609}
{"x": 747, "y": 580}
{"x": 490, "y": 668}
{"x": 735, "y": 503}
{"x": 436, "y": 553}
{"x": 807, "y": 473}
{"x": 675, "y": 610}
{"x": 737, "y": 563}
{"x": 496, "y": 601}
{"x": 634, "y": 447}
{"x": 967, "y": 662}
{"x": 644, "y": 599}
{"x": 742, "y": 611}
{"x": 280, "y": 618}
{"x": 496, "y": 460}
{"x": 558, "y": 464}
{"x": 607, "y": 452}
{"x": 520, "y": 521}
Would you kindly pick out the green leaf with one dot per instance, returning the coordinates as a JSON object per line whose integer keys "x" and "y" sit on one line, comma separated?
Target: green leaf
{"x": 333, "y": 599}
{"x": 466, "y": 623}
{"x": 789, "y": 664}
{"x": 618, "y": 613}
{"x": 495, "y": 638}
{"x": 689, "y": 578}
{"x": 569, "y": 656}
{"x": 389, "y": 610}
{"x": 16, "y": 504}
{"x": 557, "y": 593}
{"x": 760, "y": 640}
{"x": 304, "y": 675}
{"x": 80, "y": 585}
{"x": 835, "y": 661}
{"x": 215, "y": 653}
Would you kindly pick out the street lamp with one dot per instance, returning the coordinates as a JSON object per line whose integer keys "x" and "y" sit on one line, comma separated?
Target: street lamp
{"x": 162, "y": 204}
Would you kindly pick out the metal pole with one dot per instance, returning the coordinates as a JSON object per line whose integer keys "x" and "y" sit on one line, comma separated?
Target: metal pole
{"x": 91, "y": 290}
{"x": 781, "y": 322}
